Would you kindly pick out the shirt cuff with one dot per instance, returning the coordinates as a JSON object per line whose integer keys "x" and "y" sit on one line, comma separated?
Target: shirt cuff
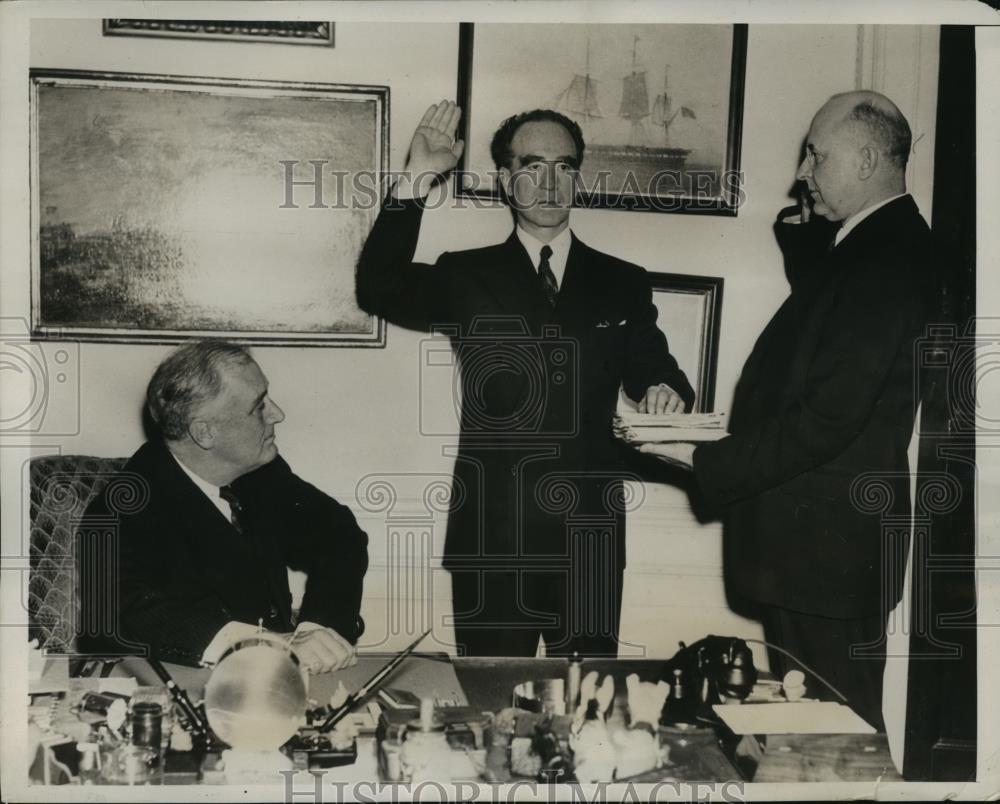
{"x": 227, "y": 636}
{"x": 304, "y": 626}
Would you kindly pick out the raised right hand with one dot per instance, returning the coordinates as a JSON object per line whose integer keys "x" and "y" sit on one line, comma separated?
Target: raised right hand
{"x": 433, "y": 150}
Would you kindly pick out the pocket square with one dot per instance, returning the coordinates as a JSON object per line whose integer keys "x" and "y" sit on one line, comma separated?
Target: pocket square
{"x": 603, "y": 325}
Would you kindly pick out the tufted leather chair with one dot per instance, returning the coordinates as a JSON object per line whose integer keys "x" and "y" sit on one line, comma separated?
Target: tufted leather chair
{"x": 61, "y": 488}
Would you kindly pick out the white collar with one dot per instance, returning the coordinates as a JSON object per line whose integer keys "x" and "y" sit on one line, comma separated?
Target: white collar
{"x": 210, "y": 490}
{"x": 560, "y": 250}
{"x": 857, "y": 217}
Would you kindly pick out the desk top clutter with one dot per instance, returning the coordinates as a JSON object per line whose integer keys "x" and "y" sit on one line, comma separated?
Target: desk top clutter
{"x": 439, "y": 718}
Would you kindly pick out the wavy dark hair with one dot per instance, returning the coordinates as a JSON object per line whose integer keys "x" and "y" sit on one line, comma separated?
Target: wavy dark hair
{"x": 500, "y": 146}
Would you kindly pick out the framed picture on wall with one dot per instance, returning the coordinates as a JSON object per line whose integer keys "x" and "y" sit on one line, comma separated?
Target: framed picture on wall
{"x": 660, "y": 107}
{"x": 690, "y": 313}
{"x": 294, "y": 32}
{"x": 166, "y": 207}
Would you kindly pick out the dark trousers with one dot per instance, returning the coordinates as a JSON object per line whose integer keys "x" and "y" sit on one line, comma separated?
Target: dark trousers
{"x": 504, "y": 612}
{"x": 850, "y": 654}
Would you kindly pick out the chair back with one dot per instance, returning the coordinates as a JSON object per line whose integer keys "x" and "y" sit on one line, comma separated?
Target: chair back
{"x": 62, "y": 487}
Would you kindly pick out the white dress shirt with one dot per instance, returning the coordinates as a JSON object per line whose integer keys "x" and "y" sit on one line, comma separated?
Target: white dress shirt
{"x": 560, "y": 251}
{"x": 857, "y": 217}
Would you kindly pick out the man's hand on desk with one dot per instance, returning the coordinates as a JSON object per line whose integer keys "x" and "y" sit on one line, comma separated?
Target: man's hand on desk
{"x": 320, "y": 649}
{"x": 661, "y": 399}
{"x": 676, "y": 453}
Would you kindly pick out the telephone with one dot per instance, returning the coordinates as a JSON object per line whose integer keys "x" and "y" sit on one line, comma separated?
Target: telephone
{"x": 705, "y": 673}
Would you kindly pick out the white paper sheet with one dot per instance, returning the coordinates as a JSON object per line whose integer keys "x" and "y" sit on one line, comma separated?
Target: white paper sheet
{"x": 803, "y": 717}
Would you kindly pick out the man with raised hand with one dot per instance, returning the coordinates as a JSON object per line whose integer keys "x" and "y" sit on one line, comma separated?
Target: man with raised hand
{"x": 546, "y": 332}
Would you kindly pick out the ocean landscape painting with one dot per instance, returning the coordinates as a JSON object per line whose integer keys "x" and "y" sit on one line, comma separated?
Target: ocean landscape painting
{"x": 166, "y": 209}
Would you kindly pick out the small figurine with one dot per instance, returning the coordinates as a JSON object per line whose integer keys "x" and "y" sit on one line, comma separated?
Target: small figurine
{"x": 594, "y": 753}
{"x": 637, "y": 749}
{"x": 645, "y": 700}
{"x": 793, "y": 685}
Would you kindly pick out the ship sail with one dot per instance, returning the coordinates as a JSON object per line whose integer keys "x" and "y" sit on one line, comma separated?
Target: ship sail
{"x": 663, "y": 109}
{"x": 635, "y": 97}
{"x": 662, "y": 112}
{"x": 580, "y": 98}
{"x": 663, "y": 105}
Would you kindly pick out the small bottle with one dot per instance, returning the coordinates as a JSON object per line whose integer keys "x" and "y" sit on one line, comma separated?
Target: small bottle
{"x": 678, "y": 706}
{"x": 90, "y": 762}
{"x": 147, "y": 724}
{"x": 573, "y": 683}
{"x": 426, "y": 714}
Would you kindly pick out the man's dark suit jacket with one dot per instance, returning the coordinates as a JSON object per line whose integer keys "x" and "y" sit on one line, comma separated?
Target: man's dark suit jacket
{"x": 826, "y": 396}
{"x": 184, "y": 571}
{"x": 536, "y": 406}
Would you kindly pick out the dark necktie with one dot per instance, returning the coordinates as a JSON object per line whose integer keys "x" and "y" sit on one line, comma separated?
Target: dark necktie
{"x": 548, "y": 279}
{"x": 235, "y": 506}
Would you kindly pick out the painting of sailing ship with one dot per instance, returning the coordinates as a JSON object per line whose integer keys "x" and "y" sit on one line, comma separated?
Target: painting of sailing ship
{"x": 660, "y": 107}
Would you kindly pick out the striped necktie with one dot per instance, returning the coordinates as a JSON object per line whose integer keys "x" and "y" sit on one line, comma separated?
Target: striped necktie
{"x": 548, "y": 279}
{"x": 235, "y": 506}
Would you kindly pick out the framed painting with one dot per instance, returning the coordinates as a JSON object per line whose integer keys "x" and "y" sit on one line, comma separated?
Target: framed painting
{"x": 296, "y": 32}
{"x": 165, "y": 207}
{"x": 660, "y": 107}
{"x": 690, "y": 313}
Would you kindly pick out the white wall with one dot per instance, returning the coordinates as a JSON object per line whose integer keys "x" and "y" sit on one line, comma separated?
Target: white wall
{"x": 353, "y": 412}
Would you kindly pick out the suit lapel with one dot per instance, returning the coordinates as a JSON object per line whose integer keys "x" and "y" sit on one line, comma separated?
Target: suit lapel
{"x": 211, "y": 535}
{"x": 515, "y": 286}
{"x": 577, "y": 292}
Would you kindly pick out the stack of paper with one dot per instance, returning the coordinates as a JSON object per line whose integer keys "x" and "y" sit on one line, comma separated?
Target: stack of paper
{"x": 653, "y": 428}
{"x": 813, "y": 717}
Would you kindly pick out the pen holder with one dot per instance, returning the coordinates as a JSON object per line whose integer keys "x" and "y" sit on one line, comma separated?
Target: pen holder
{"x": 547, "y": 696}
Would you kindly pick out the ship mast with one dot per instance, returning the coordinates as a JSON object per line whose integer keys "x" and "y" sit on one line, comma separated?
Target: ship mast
{"x": 663, "y": 114}
{"x": 635, "y": 98}
{"x": 579, "y": 99}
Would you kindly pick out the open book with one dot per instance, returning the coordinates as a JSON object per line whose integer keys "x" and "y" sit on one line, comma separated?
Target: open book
{"x": 651, "y": 428}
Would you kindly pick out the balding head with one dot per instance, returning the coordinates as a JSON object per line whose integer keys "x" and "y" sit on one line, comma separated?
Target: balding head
{"x": 856, "y": 153}
{"x": 876, "y": 119}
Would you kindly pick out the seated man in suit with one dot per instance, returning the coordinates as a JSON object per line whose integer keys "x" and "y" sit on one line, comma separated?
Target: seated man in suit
{"x": 196, "y": 557}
